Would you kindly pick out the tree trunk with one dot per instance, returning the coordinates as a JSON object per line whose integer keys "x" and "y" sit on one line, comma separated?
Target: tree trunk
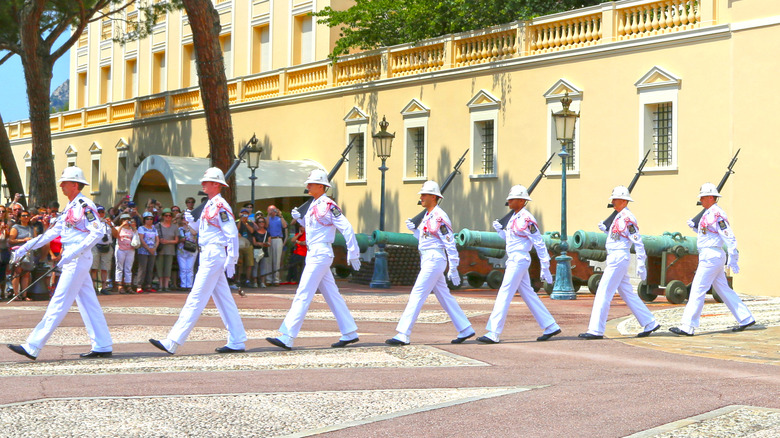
{"x": 8, "y": 164}
{"x": 204, "y": 21}
{"x": 37, "y": 64}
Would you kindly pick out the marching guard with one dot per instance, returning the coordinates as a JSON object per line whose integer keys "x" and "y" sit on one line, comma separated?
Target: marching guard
{"x": 623, "y": 232}
{"x": 521, "y": 233}
{"x": 712, "y": 232}
{"x": 218, "y": 240}
{"x": 321, "y": 221}
{"x": 80, "y": 229}
{"x": 437, "y": 246}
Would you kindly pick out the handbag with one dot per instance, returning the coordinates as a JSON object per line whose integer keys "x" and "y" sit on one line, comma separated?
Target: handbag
{"x": 135, "y": 242}
{"x": 103, "y": 248}
{"x": 189, "y": 246}
{"x": 259, "y": 254}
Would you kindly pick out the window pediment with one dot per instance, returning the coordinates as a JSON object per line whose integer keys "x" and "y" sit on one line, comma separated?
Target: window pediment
{"x": 657, "y": 77}
{"x": 95, "y": 148}
{"x": 560, "y": 88}
{"x": 484, "y": 100}
{"x": 71, "y": 151}
{"x": 356, "y": 115}
{"x": 122, "y": 144}
{"x": 415, "y": 108}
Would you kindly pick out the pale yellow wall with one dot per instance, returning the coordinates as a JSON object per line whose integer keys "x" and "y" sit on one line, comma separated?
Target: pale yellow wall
{"x": 723, "y": 105}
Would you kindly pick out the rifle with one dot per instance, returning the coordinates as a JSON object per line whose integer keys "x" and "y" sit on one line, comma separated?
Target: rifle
{"x": 305, "y": 206}
{"x": 505, "y": 220}
{"x": 252, "y": 141}
{"x": 455, "y": 170}
{"x": 608, "y": 221}
{"x": 721, "y": 184}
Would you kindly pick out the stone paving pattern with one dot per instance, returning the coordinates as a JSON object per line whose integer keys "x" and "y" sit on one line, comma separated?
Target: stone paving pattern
{"x": 614, "y": 387}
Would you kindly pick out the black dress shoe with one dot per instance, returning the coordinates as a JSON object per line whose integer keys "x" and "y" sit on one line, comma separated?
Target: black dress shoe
{"x": 646, "y": 333}
{"x": 547, "y": 336}
{"x": 18, "y": 349}
{"x": 94, "y": 354}
{"x": 460, "y": 340}
{"x": 278, "y": 343}
{"x": 342, "y": 344}
{"x": 739, "y": 328}
{"x": 486, "y": 340}
{"x": 159, "y": 345}
{"x": 589, "y": 336}
{"x": 679, "y": 331}
{"x": 396, "y": 342}
{"x": 227, "y": 349}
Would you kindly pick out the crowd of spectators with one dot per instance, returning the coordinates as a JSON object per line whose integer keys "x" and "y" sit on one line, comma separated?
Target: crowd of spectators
{"x": 148, "y": 248}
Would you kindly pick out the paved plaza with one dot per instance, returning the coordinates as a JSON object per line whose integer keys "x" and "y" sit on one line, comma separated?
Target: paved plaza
{"x": 715, "y": 384}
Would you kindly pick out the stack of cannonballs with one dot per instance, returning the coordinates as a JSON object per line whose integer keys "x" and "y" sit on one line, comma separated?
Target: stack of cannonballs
{"x": 403, "y": 264}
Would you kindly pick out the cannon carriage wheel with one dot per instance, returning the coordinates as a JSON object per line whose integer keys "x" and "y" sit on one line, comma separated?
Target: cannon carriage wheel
{"x": 676, "y": 292}
{"x": 475, "y": 279}
{"x": 645, "y": 292}
{"x": 593, "y": 282}
{"x": 494, "y": 279}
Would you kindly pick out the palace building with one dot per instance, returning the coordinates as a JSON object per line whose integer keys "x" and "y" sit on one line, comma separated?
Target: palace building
{"x": 683, "y": 79}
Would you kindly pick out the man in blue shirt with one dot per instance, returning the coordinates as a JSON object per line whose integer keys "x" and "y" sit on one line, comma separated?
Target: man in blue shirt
{"x": 276, "y": 232}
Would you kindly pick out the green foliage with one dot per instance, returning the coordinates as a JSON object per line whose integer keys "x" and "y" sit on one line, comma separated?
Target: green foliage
{"x": 370, "y": 24}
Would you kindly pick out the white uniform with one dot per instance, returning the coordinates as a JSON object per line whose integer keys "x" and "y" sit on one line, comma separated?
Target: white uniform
{"x": 522, "y": 232}
{"x": 436, "y": 245}
{"x": 218, "y": 239}
{"x": 623, "y": 233}
{"x": 714, "y": 231}
{"x": 186, "y": 259}
{"x": 321, "y": 221}
{"x": 80, "y": 229}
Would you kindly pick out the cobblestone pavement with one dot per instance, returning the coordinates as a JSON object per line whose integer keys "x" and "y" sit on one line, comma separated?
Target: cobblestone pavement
{"x": 658, "y": 386}
{"x": 240, "y": 415}
{"x": 714, "y": 338}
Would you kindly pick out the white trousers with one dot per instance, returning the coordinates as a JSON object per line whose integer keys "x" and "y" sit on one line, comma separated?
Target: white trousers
{"x": 124, "y": 265}
{"x": 516, "y": 277}
{"x": 210, "y": 281}
{"x": 710, "y": 273}
{"x": 317, "y": 274}
{"x": 275, "y": 252}
{"x": 186, "y": 262}
{"x": 431, "y": 278}
{"x": 615, "y": 278}
{"x": 74, "y": 284}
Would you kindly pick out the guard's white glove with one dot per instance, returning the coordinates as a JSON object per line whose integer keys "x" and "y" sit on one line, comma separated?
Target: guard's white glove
{"x": 18, "y": 255}
{"x": 602, "y": 227}
{"x": 410, "y": 225}
{"x": 454, "y": 276}
{"x": 295, "y": 213}
{"x": 66, "y": 258}
{"x": 355, "y": 263}
{"x": 188, "y": 216}
{"x": 546, "y": 275}
{"x": 733, "y": 260}
{"x": 229, "y": 267}
{"x": 497, "y": 226}
{"x": 691, "y": 224}
{"x": 641, "y": 271}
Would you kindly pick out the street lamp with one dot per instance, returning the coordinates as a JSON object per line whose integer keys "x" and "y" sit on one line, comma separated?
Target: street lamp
{"x": 383, "y": 142}
{"x": 253, "y": 162}
{"x": 7, "y": 193}
{"x": 565, "y": 122}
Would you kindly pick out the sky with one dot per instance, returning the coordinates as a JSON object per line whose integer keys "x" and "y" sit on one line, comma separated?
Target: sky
{"x": 13, "y": 91}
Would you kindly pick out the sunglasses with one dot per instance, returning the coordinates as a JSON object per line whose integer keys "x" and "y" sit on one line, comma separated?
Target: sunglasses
{"x": 148, "y": 218}
{"x": 166, "y": 214}
{"x": 25, "y": 215}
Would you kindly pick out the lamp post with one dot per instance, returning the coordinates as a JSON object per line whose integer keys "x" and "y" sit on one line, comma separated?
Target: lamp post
{"x": 383, "y": 141}
{"x": 7, "y": 193}
{"x": 253, "y": 162}
{"x": 565, "y": 121}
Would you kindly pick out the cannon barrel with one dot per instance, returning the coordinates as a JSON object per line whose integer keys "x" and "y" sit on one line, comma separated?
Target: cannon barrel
{"x": 390, "y": 238}
{"x": 484, "y": 239}
{"x": 363, "y": 241}
{"x": 654, "y": 245}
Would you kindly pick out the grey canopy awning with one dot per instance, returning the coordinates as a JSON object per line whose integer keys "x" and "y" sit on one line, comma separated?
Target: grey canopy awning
{"x": 275, "y": 178}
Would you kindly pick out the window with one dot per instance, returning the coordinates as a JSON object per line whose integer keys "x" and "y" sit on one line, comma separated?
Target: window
{"x": 261, "y": 48}
{"x": 94, "y": 181}
{"x": 131, "y": 78}
{"x": 158, "y": 72}
{"x": 357, "y": 127}
{"x": 122, "y": 169}
{"x": 484, "y": 139}
{"x": 553, "y": 97}
{"x": 71, "y": 153}
{"x": 81, "y": 90}
{"x": 105, "y": 84}
{"x": 415, "y": 141}
{"x": 227, "y": 53}
{"x": 658, "y": 91}
{"x": 302, "y": 39}
{"x": 188, "y": 69}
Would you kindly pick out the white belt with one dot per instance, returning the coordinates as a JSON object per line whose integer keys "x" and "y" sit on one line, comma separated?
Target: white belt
{"x": 439, "y": 251}
{"x": 207, "y": 245}
{"x": 316, "y": 246}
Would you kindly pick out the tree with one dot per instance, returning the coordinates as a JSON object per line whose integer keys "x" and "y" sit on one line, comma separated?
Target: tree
{"x": 8, "y": 164}
{"x": 210, "y": 65}
{"x": 29, "y": 28}
{"x": 370, "y": 24}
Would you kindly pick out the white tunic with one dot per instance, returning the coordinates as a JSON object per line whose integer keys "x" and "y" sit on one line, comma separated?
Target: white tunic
{"x": 714, "y": 230}
{"x": 623, "y": 233}
{"x": 216, "y": 226}
{"x": 522, "y": 233}
{"x": 321, "y": 221}
{"x": 435, "y": 233}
